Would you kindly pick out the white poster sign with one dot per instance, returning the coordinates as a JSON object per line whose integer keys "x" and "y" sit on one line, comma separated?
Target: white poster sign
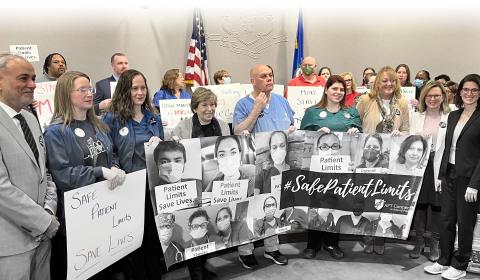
{"x": 103, "y": 225}
{"x": 300, "y": 98}
{"x": 29, "y": 52}
{"x": 176, "y": 196}
{"x": 44, "y": 95}
{"x": 409, "y": 93}
{"x": 113, "y": 85}
{"x": 173, "y": 111}
{"x": 229, "y": 191}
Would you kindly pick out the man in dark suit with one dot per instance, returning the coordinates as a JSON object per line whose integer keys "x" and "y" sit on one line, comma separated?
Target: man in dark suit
{"x": 27, "y": 195}
{"x": 103, "y": 95}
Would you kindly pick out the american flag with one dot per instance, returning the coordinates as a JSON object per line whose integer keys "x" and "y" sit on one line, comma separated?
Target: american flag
{"x": 196, "y": 73}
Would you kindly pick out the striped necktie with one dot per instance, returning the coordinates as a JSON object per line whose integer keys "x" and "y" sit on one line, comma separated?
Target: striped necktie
{"x": 27, "y": 133}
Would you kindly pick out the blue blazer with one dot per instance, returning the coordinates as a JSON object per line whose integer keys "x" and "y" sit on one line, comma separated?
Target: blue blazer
{"x": 124, "y": 146}
{"x": 102, "y": 92}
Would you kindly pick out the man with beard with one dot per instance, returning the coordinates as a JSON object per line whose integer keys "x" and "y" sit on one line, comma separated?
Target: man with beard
{"x": 53, "y": 67}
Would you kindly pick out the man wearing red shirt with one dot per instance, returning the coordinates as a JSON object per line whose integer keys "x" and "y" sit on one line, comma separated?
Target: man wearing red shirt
{"x": 309, "y": 75}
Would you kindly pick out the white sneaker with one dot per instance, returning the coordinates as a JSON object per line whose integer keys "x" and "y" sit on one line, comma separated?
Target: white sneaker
{"x": 453, "y": 274}
{"x": 435, "y": 268}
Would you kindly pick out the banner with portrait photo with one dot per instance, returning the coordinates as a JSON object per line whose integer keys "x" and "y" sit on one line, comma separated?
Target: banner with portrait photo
{"x": 375, "y": 196}
{"x": 44, "y": 95}
{"x": 114, "y": 220}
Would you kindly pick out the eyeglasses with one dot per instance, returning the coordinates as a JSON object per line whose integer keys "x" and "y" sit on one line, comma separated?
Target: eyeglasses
{"x": 326, "y": 147}
{"x": 371, "y": 147}
{"x": 84, "y": 90}
{"x": 348, "y": 80}
{"x": 268, "y": 205}
{"x": 433, "y": 96}
{"x": 197, "y": 226}
{"x": 470, "y": 90}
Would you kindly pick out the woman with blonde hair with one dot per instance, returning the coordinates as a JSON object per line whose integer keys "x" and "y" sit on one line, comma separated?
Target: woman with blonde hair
{"x": 79, "y": 152}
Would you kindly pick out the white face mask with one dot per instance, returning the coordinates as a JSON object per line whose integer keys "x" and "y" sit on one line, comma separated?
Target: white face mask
{"x": 223, "y": 225}
{"x": 278, "y": 156}
{"x": 229, "y": 165}
{"x": 227, "y": 80}
{"x": 198, "y": 233}
{"x": 165, "y": 235}
{"x": 269, "y": 212}
{"x": 171, "y": 172}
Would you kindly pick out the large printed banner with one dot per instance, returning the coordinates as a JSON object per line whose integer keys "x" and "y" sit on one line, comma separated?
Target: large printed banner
{"x": 103, "y": 225}
{"x": 300, "y": 98}
{"x": 227, "y": 97}
{"x": 44, "y": 94}
{"x": 251, "y": 187}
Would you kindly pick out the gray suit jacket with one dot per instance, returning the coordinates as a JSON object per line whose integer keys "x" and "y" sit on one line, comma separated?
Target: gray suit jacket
{"x": 25, "y": 189}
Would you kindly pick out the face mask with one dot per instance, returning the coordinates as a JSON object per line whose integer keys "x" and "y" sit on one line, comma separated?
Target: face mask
{"x": 165, "y": 235}
{"x": 269, "y": 212}
{"x": 278, "y": 156}
{"x": 370, "y": 155}
{"x": 198, "y": 233}
{"x": 307, "y": 70}
{"x": 227, "y": 80}
{"x": 418, "y": 83}
{"x": 229, "y": 165}
{"x": 171, "y": 172}
{"x": 223, "y": 225}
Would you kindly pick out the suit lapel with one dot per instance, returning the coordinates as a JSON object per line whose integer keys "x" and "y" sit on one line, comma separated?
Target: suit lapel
{"x": 471, "y": 120}
{"x": 16, "y": 134}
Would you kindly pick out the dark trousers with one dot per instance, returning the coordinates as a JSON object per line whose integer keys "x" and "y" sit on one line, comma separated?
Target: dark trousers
{"x": 316, "y": 238}
{"x": 455, "y": 210}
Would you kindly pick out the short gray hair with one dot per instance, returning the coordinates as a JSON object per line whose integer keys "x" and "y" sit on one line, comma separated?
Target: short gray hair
{"x": 6, "y": 57}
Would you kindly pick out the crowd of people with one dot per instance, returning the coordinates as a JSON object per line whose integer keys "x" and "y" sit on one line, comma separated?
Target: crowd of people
{"x": 94, "y": 136}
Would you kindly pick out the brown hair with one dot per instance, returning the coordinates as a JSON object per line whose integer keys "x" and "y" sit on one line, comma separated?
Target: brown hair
{"x": 200, "y": 95}
{"x": 331, "y": 80}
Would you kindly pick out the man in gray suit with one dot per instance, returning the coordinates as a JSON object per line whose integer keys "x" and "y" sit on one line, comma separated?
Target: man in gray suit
{"x": 27, "y": 196}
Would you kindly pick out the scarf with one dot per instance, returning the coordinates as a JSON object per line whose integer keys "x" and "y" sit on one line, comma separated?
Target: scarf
{"x": 197, "y": 131}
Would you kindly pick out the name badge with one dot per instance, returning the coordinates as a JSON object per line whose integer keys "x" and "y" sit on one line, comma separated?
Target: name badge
{"x": 79, "y": 132}
{"x": 123, "y": 131}
{"x": 347, "y": 115}
{"x": 442, "y": 124}
{"x": 323, "y": 114}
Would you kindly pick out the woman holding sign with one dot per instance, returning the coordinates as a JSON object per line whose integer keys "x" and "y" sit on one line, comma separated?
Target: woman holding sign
{"x": 132, "y": 123}
{"x": 430, "y": 120}
{"x": 203, "y": 123}
{"x": 330, "y": 114}
{"x": 173, "y": 87}
{"x": 460, "y": 168}
{"x": 79, "y": 152}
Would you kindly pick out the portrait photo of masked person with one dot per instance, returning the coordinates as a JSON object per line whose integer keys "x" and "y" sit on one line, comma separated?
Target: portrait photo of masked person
{"x": 173, "y": 252}
{"x": 230, "y": 232}
{"x": 170, "y": 158}
{"x": 373, "y": 155}
{"x": 229, "y": 155}
{"x": 198, "y": 229}
{"x": 266, "y": 226}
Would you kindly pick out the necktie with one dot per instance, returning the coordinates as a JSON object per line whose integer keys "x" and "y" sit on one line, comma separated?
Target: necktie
{"x": 28, "y": 135}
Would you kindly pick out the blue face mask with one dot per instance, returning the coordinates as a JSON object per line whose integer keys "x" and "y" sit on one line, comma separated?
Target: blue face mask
{"x": 227, "y": 80}
{"x": 418, "y": 83}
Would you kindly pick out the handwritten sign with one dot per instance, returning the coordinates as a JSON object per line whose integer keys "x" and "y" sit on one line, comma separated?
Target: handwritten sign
{"x": 277, "y": 89}
{"x": 113, "y": 85}
{"x": 199, "y": 250}
{"x": 409, "y": 94}
{"x": 227, "y": 97}
{"x": 174, "y": 111}
{"x": 44, "y": 94}
{"x": 276, "y": 184}
{"x": 300, "y": 98}
{"x": 114, "y": 221}
{"x": 29, "y": 52}
{"x": 229, "y": 191}
{"x": 177, "y": 196}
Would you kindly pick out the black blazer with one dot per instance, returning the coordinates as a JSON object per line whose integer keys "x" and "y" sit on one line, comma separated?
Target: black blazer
{"x": 102, "y": 92}
{"x": 467, "y": 155}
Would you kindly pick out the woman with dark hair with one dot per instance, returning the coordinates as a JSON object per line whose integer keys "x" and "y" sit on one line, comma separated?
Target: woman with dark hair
{"x": 325, "y": 72}
{"x": 230, "y": 232}
{"x": 430, "y": 120}
{"x": 410, "y": 156}
{"x": 367, "y": 70}
{"x": 79, "y": 152}
{"x": 403, "y": 74}
{"x": 132, "y": 123}
{"x": 331, "y": 113}
{"x": 451, "y": 88}
{"x": 460, "y": 168}
{"x": 203, "y": 123}
{"x": 173, "y": 87}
